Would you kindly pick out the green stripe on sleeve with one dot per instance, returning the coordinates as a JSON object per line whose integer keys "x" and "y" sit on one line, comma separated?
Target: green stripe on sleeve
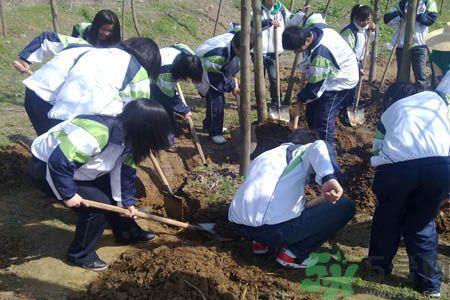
{"x": 140, "y": 75}
{"x": 70, "y": 151}
{"x": 99, "y": 131}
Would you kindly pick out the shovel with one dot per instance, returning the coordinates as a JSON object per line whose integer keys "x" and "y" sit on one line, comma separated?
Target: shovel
{"x": 280, "y": 112}
{"x": 355, "y": 115}
{"x": 391, "y": 56}
{"x": 203, "y": 227}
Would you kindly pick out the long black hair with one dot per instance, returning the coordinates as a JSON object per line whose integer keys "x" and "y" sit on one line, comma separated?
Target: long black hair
{"x": 146, "y": 125}
{"x": 360, "y": 12}
{"x": 400, "y": 90}
{"x": 103, "y": 17}
{"x": 146, "y": 51}
{"x": 187, "y": 66}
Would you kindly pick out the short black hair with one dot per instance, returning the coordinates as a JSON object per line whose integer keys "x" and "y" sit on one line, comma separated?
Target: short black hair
{"x": 236, "y": 41}
{"x": 304, "y": 136}
{"x": 187, "y": 66}
{"x": 295, "y": 37}
{"x": 400, "y": 90}
{"x": 360, "y": 12}
{"x": 146, "y": 51}
{"x": 103, "y": 17}
{"x": 146, "y": 125}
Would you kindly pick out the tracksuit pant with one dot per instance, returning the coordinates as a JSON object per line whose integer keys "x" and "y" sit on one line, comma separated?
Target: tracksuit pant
{"x": 321, "y": 115}
{"x": 409, "y": 195}
{"x": 215, "y": 105}
{"x": 304, "y": 234}
{"x": 91, "y": 222}
{"x": 37, "y": 110}
{"x": 418, "y": 62}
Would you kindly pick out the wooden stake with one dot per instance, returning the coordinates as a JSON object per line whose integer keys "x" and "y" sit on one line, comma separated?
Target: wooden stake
{"x": 260, "y": 84}
{"x": 405, "y": 68}
{"x": 2, "y": 16}
{"x": 326, "y": 9}
{"x": 55, "y": 16}
{"x": 217, "y": 18}
{"x": 135, "y": 21}
{"x": 122, "y": 29}
{"x": 244, "y": 109}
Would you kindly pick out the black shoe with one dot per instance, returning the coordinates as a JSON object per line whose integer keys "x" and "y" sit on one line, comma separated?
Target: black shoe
{"x": 95, "y": 265}
{"x": 134, "y": 235}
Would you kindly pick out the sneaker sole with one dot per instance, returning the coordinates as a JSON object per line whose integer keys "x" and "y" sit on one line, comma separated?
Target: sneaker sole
{"x": 95, "y": 270}
{"x": 290, "y": 265}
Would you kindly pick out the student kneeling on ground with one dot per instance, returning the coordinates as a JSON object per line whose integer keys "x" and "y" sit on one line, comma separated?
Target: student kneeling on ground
{"x": 412, "y": 181}
{"x": 94, "y": 157}
{"x": 270, "y": 206}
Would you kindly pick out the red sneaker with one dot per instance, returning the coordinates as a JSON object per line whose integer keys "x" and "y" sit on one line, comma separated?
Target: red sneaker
{"x": 288, "y": 260}
{"x": 259, "y": 248}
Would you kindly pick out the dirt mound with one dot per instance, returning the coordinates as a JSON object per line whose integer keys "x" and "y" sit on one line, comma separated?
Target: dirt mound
{"x": 194, "y": 272}
{"x": 12, "y": 167}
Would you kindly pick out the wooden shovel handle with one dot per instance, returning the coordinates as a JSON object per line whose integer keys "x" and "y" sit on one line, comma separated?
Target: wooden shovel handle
{"x": 139, "y": 214}
{"x": 160, "y": 173}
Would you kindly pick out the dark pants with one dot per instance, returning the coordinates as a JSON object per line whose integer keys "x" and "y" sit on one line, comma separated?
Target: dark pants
{"x": 37, "y": 110}
{"x": 418, "y": 62}
{"x": 304, "y": 234}
{"x": 321, "y": 116}
{"x": 215, "y": 105}
{"x": 91, "y": 222}
{"x": 409, "y": 196}
{"x": 170, "y": 112}
{"x": 271, "y": 70}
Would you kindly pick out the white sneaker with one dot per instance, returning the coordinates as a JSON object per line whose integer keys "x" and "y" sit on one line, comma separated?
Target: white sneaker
{"x": 288, "y": 260}
{"x": 219, "y": 139}
{"x": 432, "y": 294}
{"x": 224, "y": 130}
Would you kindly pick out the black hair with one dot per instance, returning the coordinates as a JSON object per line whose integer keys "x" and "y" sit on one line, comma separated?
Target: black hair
{"x": 146, "y": 51}
{"x": 146, "y": 125}
{"x": 295, "y": 37}
{"x": 103, "y": 17}
{"x": 236, "y": 41}
{"x": 400, "y": 90}
{"x": 187, "y": 66}
{"x": 360, "y": 12}
{"x": 304, "y": 136}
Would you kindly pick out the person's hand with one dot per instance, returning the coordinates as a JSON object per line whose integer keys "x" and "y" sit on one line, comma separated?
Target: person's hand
{"x": 132, "y": 212}
{"x": 188, "y": 115}
{"x": 446, "y": 206}
{"x": 306, "y": 7}
{"x": 372, "y": 26}
{"x": 75, "y": 201}
{"x": 236, "y": 91}
{"x": 22, "y": 66}
{"x": 331, "y": 190}
{"x": 276, "y": 23}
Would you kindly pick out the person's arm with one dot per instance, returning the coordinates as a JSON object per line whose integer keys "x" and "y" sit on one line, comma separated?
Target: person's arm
{"x": 123, "y": 182}
{"x": 430, "y": 15}
{"x": 349, "y": 37}
{"x": 378, "y": 138}
{"x": 138, "y": 87}
{"x": 322, "y": 65}
{"x": 165, "y": 87}
{"x": 46, "y": 44}
{"x": 214, "y": 66}
{"x": 393, "y": 16}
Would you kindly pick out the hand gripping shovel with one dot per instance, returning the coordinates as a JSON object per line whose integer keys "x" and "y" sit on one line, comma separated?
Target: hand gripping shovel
{"x": 280, "y": 112}
{"x": 355, "y": 115}
{"x": 203, "y": 227}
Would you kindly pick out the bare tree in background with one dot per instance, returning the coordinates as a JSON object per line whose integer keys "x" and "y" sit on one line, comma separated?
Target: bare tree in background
{"x": 405, "y": 68}
{"x": 2, "y": 16}
{"x": 244, "y": 107}
{"x": 374, "y": 53}
{"x": 135, "y": 21}
{"x": 260, "y": 85}
{"x": 55, "y": 16}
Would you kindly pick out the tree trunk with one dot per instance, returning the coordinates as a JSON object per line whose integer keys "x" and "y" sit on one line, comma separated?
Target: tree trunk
{"x": 374, "y": 53}
{"x": 260, "y": 84}
{"x": 405, "y": 69}
{"x": 55, "y": 16}
{"x": 122, "y": 28}
{"x": 135, "y": 21}
{"x": 244, "y": 108}
{"x": 292, "y": 5}
{"x": 2, "y": 16}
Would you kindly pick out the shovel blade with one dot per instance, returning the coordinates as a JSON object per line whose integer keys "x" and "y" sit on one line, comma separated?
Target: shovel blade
{"x": 280, "y": 113}
{"x": 356, "y": 116}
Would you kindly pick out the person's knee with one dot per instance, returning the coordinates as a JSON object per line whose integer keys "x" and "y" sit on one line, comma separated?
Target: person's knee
{"x": 347, "y": 207}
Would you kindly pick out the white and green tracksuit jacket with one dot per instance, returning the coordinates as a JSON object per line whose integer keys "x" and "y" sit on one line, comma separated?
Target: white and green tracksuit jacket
{"x": 83, "y": 149}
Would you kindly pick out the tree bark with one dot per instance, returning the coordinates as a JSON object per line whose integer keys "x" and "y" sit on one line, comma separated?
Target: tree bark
{"x": 135, "y": 21}
{"x": 122, "y": 28}
{"x": 244, "y": 108}
{"x": 260, "y": 84}
{"x": 405, "y": 68}
{"x": 374, "y": 53}
{"x": 55, "y": 16}
{"x": 292, "y": 5}
{"x": 2, "y": 16}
